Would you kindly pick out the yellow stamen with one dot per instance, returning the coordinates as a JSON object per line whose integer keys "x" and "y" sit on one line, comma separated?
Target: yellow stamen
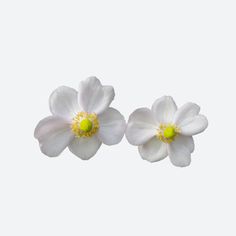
{"x": 167, "y": 132}
{"x": 85, "y": 124}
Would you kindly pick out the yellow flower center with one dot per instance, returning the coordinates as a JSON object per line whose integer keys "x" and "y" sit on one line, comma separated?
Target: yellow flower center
{"x": 167, "y": 132}
{"x": 85, "y": 124}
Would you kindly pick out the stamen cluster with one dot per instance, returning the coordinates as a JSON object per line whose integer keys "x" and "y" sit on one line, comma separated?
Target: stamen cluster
{"x": 167, "y": 132}
{"x": 85, "y": 124}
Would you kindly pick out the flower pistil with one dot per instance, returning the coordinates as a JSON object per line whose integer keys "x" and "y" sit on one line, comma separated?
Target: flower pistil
{"x": 85, "y": 124}
{"x": 167, "y": 132}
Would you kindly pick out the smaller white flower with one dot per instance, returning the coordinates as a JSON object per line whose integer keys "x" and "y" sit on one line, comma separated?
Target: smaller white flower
{"x": 165, "y": 130}
{"x": 80, "y": 120}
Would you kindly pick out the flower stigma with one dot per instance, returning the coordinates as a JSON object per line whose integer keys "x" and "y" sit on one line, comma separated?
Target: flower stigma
{"x": 167, "y": 132}
{"x": 85, "y": 124}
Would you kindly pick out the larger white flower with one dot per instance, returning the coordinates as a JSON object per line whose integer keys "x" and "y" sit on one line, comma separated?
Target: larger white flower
{"x": 165, "y": 130}
{"x": 80, "y": 120}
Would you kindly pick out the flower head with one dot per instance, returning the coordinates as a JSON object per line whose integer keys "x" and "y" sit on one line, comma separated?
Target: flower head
{"x": 80, "y": 120}
{"x": 165, "y": 130}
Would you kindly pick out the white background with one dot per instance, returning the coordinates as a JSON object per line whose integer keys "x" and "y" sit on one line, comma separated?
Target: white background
{"x": 145, "y": 49}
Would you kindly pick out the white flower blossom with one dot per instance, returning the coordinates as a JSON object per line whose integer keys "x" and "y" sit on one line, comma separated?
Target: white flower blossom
{"x": 81, "y": 120}
{"x": 165, "y": 130}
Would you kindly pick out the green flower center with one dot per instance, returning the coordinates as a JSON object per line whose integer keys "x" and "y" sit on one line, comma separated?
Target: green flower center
{"x": 86, "y": 125}
{"x": 169, "y": 132}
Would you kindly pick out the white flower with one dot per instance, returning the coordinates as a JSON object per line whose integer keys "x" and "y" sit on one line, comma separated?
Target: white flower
{"x": 80, "y": 120}
{"x": 165, "y": 130}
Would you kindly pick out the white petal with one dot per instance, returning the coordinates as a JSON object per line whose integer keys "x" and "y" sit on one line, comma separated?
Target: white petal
{"x": 194, "y": 125}
{"x": 164, "y": 109}
{"x": 180, "y": 151}
{"x": 186, "y": 141}
{"x": 85, "y": 148}
{"x": 143, "y": 115}
{"x": 53, "y": 134}
{"x": 141, "y": 126}
{"x": 153, "y": 150}
{"x": 64, "y": 102}
{"x": 93, "y": 97}
{"x": 112, "y": 126}
{"x": 185, "y": 112}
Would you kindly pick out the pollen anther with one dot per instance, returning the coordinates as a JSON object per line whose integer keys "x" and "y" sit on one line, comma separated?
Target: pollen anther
{"x": 167, "y": 132}
{"x": 85, "y": 124}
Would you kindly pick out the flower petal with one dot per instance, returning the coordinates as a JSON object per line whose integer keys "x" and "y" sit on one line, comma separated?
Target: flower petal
{"x": 194, "y": 125}
{"x": 185, "y": 112}
{"x": 112, "y": 126}
{"x": 143, "y": 115}
{"x": 187, "y": 141}
{"x": 141, "y": 126}
{"x": 164, "y": 109}
{"x": 93, "y": 97}
{"x": 180, "y": 151}
{"x": 153, "y": 150}
{"x": 53, "y": 134}
{"x": 85, "y": 148}
{"x": 64, "y": 102}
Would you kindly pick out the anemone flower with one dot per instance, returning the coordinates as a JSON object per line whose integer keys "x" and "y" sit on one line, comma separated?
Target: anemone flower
{"x": 165, "y": 130}
{"x": 81, "y": 120}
